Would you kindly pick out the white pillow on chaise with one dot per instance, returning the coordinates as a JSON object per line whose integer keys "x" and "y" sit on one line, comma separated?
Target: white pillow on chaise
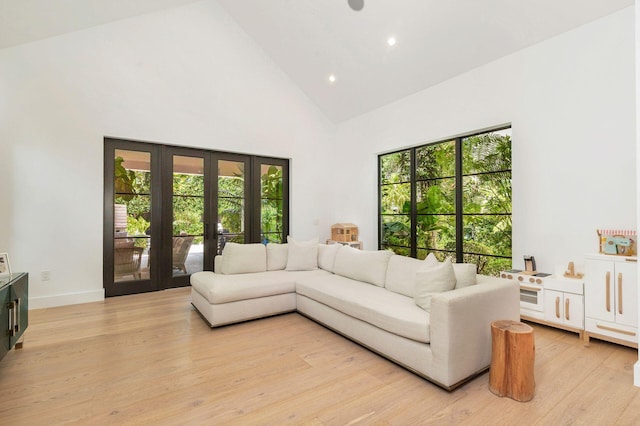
{"x": 244, "y": 258}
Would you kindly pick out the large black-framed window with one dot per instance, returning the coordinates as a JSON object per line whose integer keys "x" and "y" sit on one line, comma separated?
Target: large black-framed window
{"x": 451, "y": 198}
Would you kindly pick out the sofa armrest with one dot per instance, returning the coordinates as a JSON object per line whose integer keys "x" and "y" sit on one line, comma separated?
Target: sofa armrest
{"x": 461, "y": 325}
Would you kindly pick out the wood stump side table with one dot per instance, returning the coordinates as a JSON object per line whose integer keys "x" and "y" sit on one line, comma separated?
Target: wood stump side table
{"x": 512, "y": 360}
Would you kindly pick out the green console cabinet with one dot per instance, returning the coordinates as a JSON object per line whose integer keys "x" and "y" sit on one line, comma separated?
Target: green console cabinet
{"x": 14, "y": 310}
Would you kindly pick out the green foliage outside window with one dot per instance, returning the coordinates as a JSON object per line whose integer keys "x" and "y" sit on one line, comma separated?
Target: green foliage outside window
{"x": 188, "y": 205}
{"x": 133, "y": 189}
{"x": 272, "y": 205}
{"x": 486, "y": 200}
{"x": 231, "y": 203}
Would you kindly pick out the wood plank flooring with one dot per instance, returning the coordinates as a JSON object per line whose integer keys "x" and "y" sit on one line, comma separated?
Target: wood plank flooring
{"x": 151, "y": 359}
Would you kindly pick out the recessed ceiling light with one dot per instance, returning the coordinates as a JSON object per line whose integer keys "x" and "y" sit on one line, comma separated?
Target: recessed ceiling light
{"x": 332, "y": 78}
{"x": 391, "y": 41}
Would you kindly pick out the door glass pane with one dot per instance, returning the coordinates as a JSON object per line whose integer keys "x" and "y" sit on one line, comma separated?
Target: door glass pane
{"x": 132, "y": 215}
{"x": 271, "y": 207}
{"x": 188, "y": 215}
{"x": 231, "y": 202}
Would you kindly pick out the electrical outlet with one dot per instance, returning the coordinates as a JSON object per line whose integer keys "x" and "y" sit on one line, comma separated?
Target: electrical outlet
{"x": 45, "y": 275}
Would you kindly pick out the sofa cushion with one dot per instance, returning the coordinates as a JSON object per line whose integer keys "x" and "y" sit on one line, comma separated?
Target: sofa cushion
{"x": 401, "y": 274}
{"x": 277, "y": 255}
{"x": 363, "y": 265}
{"x": 218, "y": 288}
{"x": 386, "y": 310}
{"x": 244, "y": 258}
{"x": 465, "y": 274}
{"x": 327, "y": 256}
{"x": 303, "y": 255}
{"x": 433, "y": 280}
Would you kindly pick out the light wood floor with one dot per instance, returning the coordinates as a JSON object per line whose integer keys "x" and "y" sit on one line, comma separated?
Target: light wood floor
{"x": 151, "y": 359}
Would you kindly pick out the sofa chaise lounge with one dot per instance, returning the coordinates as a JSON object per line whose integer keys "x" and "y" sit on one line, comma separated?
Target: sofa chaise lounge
{"x": 405, "y": 309}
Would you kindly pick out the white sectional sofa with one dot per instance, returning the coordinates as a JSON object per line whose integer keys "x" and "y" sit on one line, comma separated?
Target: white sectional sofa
{"x": 431, "y": 318}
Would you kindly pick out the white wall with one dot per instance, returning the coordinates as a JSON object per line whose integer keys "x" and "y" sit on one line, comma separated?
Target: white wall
{"x": 187, "y": 76}
{"x": 571, "y": 102}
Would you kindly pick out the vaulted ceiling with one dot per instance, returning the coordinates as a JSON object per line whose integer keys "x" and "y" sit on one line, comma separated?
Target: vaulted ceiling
{"x": 310, "y": 40}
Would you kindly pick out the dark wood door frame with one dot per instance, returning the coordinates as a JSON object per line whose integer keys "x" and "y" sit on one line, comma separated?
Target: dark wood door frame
{"x": 111, "y": 287}
{"x": 166, "y": 260}
{"x": 256, "y": 196}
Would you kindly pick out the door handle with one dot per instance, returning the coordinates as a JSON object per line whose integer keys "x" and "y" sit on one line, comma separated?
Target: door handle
{"x": 608, "y": 289}
{"x": 620, "y": 293}
{"x": 12, "y": 318}
{"x": 566, "y": 309}
{"x": 557, "y": 307}
{"x": 16, "y": 321}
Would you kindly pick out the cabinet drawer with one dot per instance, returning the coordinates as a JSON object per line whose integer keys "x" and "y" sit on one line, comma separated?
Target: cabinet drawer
{"x": 611, "y": 329}
{"x": 566, "y": 285}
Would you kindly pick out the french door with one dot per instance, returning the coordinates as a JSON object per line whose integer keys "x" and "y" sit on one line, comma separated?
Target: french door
{"x": 169, "y": 210}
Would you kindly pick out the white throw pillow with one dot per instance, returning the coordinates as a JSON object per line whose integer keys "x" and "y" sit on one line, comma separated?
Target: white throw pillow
{"x": 465, "y": 274}
{"x": 327, "y": 256}
{"x": 430, "y": 261}
{"x": 433, "y": 280}
{"x": 303, "y": 255}
{"x": 277, "y": 255}
{"x": 244, "y": 258}
{"x": 401, "y": 274}
{"x": 363, "y": 265}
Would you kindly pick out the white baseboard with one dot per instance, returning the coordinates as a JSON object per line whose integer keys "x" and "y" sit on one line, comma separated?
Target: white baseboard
{"x": 66, "y": 299}
{"x": 636, "y": 374}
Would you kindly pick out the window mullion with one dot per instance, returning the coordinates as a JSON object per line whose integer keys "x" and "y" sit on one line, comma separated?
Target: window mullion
{"x": 414, "y": 207}
{"x": 459, "y": 207}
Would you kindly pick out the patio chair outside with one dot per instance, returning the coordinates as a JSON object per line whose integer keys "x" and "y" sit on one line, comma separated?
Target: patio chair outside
{"x": 127, "y": 262}
{"x": 181, "y": 247}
